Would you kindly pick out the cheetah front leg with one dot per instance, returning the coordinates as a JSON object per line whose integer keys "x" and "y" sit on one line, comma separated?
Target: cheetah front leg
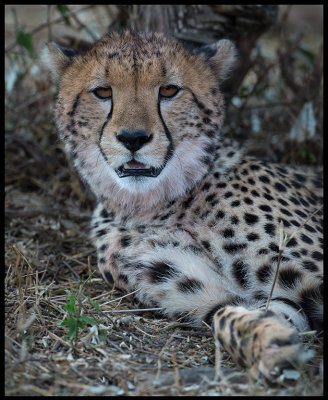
{"x": 257, "y": 340}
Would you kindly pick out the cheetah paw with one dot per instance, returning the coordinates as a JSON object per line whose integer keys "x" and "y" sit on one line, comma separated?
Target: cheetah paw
{"x": 257, "y": 340}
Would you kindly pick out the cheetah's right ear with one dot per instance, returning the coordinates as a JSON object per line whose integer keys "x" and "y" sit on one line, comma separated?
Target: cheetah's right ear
{"x": 220, "y": 55}
{"x": 57, "y": 59}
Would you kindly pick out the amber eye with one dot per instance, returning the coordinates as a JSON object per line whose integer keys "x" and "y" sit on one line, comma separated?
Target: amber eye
{"x": 103, "y": 93}
{"x": 168, "y": 91}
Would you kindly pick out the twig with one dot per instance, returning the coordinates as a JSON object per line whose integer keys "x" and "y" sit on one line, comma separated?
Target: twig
{"x": 134, "y": 310}
{"x": 283, "y": 240}
{"x": 119, "y": 298}
{"x": 45, "y": 24}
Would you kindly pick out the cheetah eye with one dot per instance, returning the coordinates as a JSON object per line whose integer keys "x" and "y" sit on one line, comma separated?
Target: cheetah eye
{"x": 103, "y": 93}
{"x": 168, "y": 91}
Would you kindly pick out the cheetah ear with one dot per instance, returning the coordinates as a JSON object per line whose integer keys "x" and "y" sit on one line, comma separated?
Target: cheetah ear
{"x": 220, "y": 55}
{"x": 57, "y": 58}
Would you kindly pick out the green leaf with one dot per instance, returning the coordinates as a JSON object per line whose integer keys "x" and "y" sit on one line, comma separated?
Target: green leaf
{"x": 70, "y": 308}
{"x": 95, "y": 304}
{"x": 72, "y": 327}
{"x": 25, "y": 40}
{"x": 88, "y": 320}
{"x": 64, "y": 323}
{"x": 62, "y": 8}
{"x": 307, "y": 54}
{"x": 102, "y": 335}
{"x": 72, "y": 300}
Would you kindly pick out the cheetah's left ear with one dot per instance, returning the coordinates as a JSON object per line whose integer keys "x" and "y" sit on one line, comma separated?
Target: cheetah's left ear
{"x": 57, "y": 59}
{"x": 221, "y": 56}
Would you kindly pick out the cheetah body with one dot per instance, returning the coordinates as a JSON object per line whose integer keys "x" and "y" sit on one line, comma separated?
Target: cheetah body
{"x": 184, "y": 218}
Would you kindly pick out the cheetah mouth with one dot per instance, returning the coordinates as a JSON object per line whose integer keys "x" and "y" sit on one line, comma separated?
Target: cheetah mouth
{"x": 136, "y": 168}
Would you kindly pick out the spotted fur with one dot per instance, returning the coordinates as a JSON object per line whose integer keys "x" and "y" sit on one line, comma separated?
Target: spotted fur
{"x": 202, "y": 235}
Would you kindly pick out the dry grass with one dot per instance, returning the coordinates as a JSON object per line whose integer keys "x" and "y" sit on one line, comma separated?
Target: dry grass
{"x": 142, "y": 354}
{"x": 47, "y": 253}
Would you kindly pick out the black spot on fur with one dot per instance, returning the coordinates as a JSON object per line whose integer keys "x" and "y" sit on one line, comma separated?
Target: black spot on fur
{"x": 104, "y": 213}
{"x": 306, "y": 239}
{"x": 209, "y": 315}
{"x": 232, "y": 248}
{"x": 248, "y": 201}
{"x": 251, "y": 219}
{"x": 235, "y": 203}
{"x": 286, "y": 212}
{"x": 206, "y": 186}
{"x": 263, "y": 251}
{"x": 239, "y": 271}
{"x": 288, "y": 278}
{"x": 222, "y": 322}
{"x": 265, "y": 208}
{"x": 274, "y": 247}
{"x": 309, "y": 228}
{"x": 252, "y": 236}
{"x": 124, "y": 278}
{"x": 296, "y": 254}
{"x": 280, "y": 187}
{"x": 109, "y": 277}
{"x": 282, "y": 259}
{"x": 310, "y": 298}
{"x": 311, "y": 266}
{"x": 206, "y": 244}
{"x": 300, "y": 213}
{"x": 234, "y": 220}
{"x": 267, "y": 196}
{"x": 295, "y": 223}
{"x": 125, "y": 241}
{"x": 187, "y": 203}
{"x": 220, "y": 214}
{"x": 103, "y": 247}
{"x": 316, "y": 255}
{"x": 210, "y": 197}
{"x": 285, "y": 222}
{"x": 228, "y": 233}
{"x": 160, "y": 271}
{"x": 101, "y": 232}
{"x": 292, "y": 243}
{"x": 264, "y": 179}
{"x": 264, "y": 273}
{"x": 270, "y": 229}
{"x": 190, "y": 285}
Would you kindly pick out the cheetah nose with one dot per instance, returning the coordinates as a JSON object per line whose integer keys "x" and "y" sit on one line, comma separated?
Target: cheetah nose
{"x": 133, "y": 141}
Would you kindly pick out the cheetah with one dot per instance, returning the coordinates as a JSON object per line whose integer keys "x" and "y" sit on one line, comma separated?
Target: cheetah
{"x": 184, "y": 218}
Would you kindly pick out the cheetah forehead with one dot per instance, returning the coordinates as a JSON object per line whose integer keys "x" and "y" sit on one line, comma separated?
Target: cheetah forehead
{"x": 131, "y": 53}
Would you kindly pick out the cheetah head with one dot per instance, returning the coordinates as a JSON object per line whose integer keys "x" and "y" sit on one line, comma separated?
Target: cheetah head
{"x": 139, "y": 114}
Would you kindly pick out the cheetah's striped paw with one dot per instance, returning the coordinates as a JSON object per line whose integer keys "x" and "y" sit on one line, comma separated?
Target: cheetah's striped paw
{"x": 257, "y": 340}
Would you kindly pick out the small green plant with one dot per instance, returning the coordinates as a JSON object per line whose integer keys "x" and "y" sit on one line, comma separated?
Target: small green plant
{"x": 75, "y": 319}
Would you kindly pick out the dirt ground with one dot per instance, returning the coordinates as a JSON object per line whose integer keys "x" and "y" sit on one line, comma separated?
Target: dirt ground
{"x": 68, "y": 333}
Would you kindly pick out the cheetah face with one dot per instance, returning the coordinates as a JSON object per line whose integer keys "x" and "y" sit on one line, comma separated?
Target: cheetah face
{"x": 139, "y": 114}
